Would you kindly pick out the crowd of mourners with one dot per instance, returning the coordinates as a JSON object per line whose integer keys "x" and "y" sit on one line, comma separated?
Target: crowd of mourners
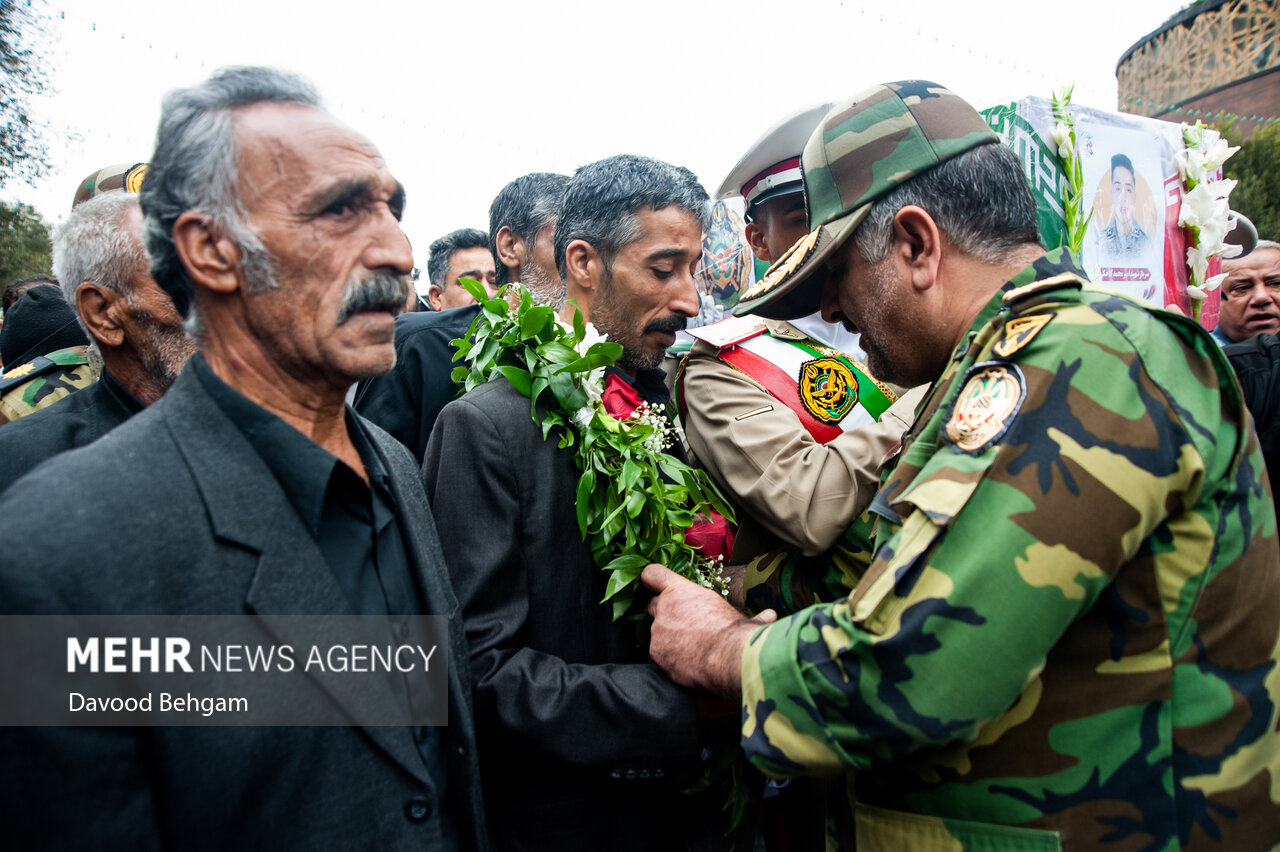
{"x": 1001, "y": 567}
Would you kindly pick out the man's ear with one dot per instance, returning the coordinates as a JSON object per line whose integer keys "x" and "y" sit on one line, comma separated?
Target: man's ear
{"x": 755, "y": 238}
{"x": 211, "y": 258}
{"x": 435, "y": 297}
{"x": 100, "y": 310}
{"x": 582, "y": 265}
{"x": 917, "y": 244}
{"x": 512, "y": 251}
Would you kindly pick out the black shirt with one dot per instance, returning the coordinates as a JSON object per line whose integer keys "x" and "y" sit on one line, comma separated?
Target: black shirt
{"x": 356, "y": 527}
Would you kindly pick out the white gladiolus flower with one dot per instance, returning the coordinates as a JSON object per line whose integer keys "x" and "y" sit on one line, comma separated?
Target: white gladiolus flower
{"x": 1218, "y": 154}
{"x": 1199, "y": 264}
{"x": 1060, "y": 134}
{"x": 1196, "y": 293}
{"x": 1206, "y": 208}
{"x": 1191, "y": 165}
{"x": 1214, "y": 282}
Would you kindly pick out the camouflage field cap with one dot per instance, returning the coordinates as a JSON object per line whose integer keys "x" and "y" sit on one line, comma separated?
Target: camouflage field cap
{"x": 126, "y": 176}
{"x": 866, "y": 146}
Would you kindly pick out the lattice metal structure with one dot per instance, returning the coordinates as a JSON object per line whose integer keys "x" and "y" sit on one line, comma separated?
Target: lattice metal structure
{"x": 1200, "y": 58}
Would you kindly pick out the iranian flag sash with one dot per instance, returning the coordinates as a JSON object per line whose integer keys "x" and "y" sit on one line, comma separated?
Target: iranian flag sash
{"x": 826, "y": 389}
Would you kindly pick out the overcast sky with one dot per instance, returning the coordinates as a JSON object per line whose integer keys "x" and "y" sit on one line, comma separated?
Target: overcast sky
{"x": 462, "y": 97}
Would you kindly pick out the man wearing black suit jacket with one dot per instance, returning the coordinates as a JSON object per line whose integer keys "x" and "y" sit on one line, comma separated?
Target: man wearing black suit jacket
{"x": 580, "y": 737}
{"x": 407, "y": 400}
{"x": 249, "y": 488}
{"x": 98, "y": 256}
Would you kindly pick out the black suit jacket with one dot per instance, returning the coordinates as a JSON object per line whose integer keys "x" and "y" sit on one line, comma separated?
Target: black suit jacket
{"x": 407, "y": 400}
{"x": 1257, "y": 365}
{"x": 579, "y": 735}
{"x": 73, "y": 421}
{"x": 174, "y": 512}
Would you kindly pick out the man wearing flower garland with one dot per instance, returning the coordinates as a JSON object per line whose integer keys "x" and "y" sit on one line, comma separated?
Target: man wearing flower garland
{"x": 1068, "y": 638}
{"x": 579, "y": 735}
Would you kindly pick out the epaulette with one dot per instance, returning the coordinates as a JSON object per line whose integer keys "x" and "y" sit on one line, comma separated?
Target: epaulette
{"x": 729, "y": 331}
{"x": 24, "y": 373}
{"x": 1062, "y": 281}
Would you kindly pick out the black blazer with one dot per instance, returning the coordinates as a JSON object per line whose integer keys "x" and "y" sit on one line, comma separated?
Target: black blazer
{"x": 579, "y": 736}
{"x": 406, "y": 400}
{"x": 174, "y": 512}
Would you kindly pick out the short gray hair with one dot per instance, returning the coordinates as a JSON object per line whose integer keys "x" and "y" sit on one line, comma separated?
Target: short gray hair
{"x": 96, "y": 244}
{"x": 441, "y": 252}
{"x": 194, "y": 168}
{"x": 603, "y": 200}
{"x": 525, "y": 205}
{"x": 979, "y": 199}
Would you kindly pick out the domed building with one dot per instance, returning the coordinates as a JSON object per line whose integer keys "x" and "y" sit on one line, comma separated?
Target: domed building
{"x": 1215, "y": 56}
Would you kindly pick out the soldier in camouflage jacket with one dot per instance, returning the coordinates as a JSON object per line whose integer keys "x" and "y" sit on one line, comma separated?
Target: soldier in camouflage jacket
{"x": 1068, "y": 638}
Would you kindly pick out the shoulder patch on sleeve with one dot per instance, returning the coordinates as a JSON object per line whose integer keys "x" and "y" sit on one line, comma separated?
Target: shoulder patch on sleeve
{"x": 986, "y": 405}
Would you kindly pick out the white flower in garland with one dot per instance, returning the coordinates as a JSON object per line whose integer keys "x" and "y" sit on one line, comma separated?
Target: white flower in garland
{"x": 1205, "y": 210}
{"x": 592, "y": 382}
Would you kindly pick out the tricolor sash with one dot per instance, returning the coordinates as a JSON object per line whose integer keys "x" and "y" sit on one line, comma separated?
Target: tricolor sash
{"x": 826, "y": 389}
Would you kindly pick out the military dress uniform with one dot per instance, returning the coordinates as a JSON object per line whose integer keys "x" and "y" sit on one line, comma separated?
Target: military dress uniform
{"x": 793, "y": 432}
{"x": 1068, "y": 637}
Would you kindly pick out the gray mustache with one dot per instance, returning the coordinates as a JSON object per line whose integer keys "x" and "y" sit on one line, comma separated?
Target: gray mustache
{"x": 380, "y": 291}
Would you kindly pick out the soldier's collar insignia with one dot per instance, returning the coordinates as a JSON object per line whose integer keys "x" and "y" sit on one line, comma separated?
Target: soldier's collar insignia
{"x": 1042, "y": 286}
{"x": 986, "y": 405}
{"x": 828, "y": 389}
{"x": 1018, "y": 333}
{"x": 20, "y": 370}
{"x": 781, "y": 271}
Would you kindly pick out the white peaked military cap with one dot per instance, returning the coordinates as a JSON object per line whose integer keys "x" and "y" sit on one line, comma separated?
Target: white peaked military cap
{"x": 771, "y": 166}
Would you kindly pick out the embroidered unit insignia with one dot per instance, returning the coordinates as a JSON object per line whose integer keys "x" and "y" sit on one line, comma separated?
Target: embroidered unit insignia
{"x": 991, "y": 396}
{"x": 1018, "y": 333}
{"x": 828, "y": 389}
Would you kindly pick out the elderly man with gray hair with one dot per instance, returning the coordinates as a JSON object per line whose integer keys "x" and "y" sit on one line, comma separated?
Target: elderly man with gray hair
{"x": 98, "y": 257}
{"x": 252, "y": 490}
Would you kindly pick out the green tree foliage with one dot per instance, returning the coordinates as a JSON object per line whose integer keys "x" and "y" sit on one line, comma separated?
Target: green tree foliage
{"x": 24, "y": 153}
{"x": 1257, "y": 166}
{"x": 24, "y": 243}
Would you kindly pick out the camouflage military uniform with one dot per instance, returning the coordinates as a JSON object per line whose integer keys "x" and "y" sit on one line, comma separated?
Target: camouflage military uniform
{"x": 44, "y": 380}
{"x": 1068, "y": 637}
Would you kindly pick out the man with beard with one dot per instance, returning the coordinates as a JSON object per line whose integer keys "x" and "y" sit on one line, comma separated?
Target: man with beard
{"x": 579, "y": 735}
{"x": 250, "y": 489}
{"x": 98, "y": 257}
{"x": 406, "y": 401}
{"x": 1068, "y": 638}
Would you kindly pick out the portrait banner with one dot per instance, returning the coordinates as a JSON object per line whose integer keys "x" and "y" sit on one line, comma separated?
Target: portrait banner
{"x": 1133, "y": 195}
